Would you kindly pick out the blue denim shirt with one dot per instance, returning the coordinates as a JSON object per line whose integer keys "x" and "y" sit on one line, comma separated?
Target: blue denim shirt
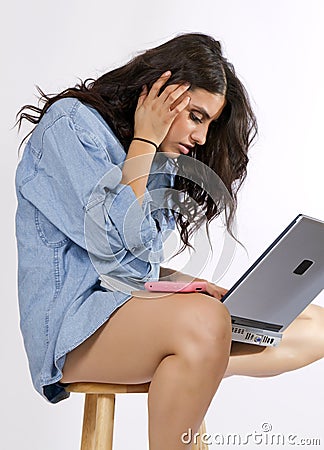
{"x": 75, "y": 221}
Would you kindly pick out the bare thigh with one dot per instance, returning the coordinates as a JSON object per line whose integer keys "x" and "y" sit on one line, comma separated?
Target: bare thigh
{"x": 131, "y": 344}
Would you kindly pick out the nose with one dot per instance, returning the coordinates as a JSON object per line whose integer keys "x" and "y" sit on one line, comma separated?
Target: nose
{"x": 199, "y": 134}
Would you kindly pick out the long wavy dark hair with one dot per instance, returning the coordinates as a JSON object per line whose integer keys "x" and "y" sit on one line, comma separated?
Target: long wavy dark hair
{"x": 195, "y": 58}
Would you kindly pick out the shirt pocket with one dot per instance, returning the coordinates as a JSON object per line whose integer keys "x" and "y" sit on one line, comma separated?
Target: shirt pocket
{"x": 49, "y": 233}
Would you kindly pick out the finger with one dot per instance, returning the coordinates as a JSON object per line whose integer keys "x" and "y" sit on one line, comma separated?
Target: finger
{"x": 173, "y": 93}
{"x": 142, "y": 96}
{"x": 211, "y": 290}
{"x": 222, "y": 290}
{"x": 180, "y": 106}
{"x": 155, "y": 89}
{"x": 216, "y": 291}
{"x": 214, "y": 294}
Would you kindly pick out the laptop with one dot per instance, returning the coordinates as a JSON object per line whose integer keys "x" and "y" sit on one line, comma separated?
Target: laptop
{"x": 279, "y": 285}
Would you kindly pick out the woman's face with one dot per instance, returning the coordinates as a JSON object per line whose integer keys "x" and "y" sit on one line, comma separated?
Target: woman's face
{"x": 190, "y": 127}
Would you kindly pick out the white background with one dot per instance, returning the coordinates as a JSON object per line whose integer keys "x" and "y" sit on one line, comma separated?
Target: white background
{"x": 277, "y": 49}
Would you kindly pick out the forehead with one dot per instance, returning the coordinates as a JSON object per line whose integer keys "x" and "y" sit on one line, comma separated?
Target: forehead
{"x": 212, "y": 104}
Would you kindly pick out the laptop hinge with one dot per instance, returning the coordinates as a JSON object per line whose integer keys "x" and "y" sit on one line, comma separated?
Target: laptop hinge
{"x": 244, "y": 322}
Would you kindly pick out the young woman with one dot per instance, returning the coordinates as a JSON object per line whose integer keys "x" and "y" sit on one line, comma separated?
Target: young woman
{"x": 87, "y": 206}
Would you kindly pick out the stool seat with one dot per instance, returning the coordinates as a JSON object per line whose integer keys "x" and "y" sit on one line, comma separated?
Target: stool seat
{"x": 99, "y": 412}
{"x": 107, "y": 388}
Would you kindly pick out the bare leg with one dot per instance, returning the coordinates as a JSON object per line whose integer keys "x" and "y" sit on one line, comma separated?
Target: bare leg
{"x": 302, "y": 344}
{"x": 179, "y": 342}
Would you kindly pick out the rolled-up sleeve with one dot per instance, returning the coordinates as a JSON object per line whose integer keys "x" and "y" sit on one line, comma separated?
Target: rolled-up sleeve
{"x": 76, "y": 185}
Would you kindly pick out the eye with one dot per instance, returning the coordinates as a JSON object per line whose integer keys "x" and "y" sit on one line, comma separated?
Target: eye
{"x": 195, "y": 118}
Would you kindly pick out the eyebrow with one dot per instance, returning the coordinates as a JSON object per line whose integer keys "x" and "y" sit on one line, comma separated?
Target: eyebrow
{"x": 201, "y": 110}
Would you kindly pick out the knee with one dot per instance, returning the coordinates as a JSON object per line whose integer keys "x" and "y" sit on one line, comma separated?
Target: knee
{"x": 315, "y": 331}
{"x": 205, "y": 329}
{"x": 303, "y": 341}
{"x": 316, "y": 313}
{"x": 313, "y": 312}
{"x": 308, "y": 328}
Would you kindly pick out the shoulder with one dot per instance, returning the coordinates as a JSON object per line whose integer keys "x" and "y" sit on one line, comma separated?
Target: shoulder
{"x": 70, "y": 117}
{"x": 65, "y": 107}
{"x": 82, "y": 116}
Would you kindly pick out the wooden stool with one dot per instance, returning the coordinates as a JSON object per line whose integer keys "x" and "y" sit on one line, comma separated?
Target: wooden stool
{"x": 99, "y": 408}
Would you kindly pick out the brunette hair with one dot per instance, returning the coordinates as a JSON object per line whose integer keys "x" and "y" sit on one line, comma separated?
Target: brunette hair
{"x": 195, "y": 58}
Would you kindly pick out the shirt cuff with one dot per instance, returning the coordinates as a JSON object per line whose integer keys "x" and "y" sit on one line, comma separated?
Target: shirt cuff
{"x": 133, "y": 221}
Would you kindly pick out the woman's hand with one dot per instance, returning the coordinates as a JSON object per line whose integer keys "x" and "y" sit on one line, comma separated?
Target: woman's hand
{"x": 153, "y": 118}
{"x": 155, "y": 113}
{"x": 173, "y": 275}
{"x": 214, "y": 290}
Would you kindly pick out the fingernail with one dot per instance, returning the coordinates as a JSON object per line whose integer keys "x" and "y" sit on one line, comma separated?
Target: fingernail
{"x": 167, "y": 73}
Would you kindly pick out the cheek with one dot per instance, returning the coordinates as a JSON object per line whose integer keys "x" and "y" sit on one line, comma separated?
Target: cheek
{"x": 180, "y": 125}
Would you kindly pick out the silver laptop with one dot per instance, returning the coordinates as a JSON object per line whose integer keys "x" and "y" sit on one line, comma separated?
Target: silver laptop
{"x": 279, "y": 285}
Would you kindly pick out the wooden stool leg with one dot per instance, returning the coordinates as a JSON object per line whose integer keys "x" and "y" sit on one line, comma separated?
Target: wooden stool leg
{"x": 105, "y": 421}
{"x": 200, "y": 445}
{"x": 89, "y": 422}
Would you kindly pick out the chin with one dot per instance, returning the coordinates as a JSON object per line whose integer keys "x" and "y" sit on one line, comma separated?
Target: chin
{"x": 170, "y": 153}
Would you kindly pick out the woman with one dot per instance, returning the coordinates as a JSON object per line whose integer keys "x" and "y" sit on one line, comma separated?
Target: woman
{"x": 87, "y": 207}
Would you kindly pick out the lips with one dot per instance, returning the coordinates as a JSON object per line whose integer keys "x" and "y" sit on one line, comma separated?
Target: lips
{"x": 185, "y": 148}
